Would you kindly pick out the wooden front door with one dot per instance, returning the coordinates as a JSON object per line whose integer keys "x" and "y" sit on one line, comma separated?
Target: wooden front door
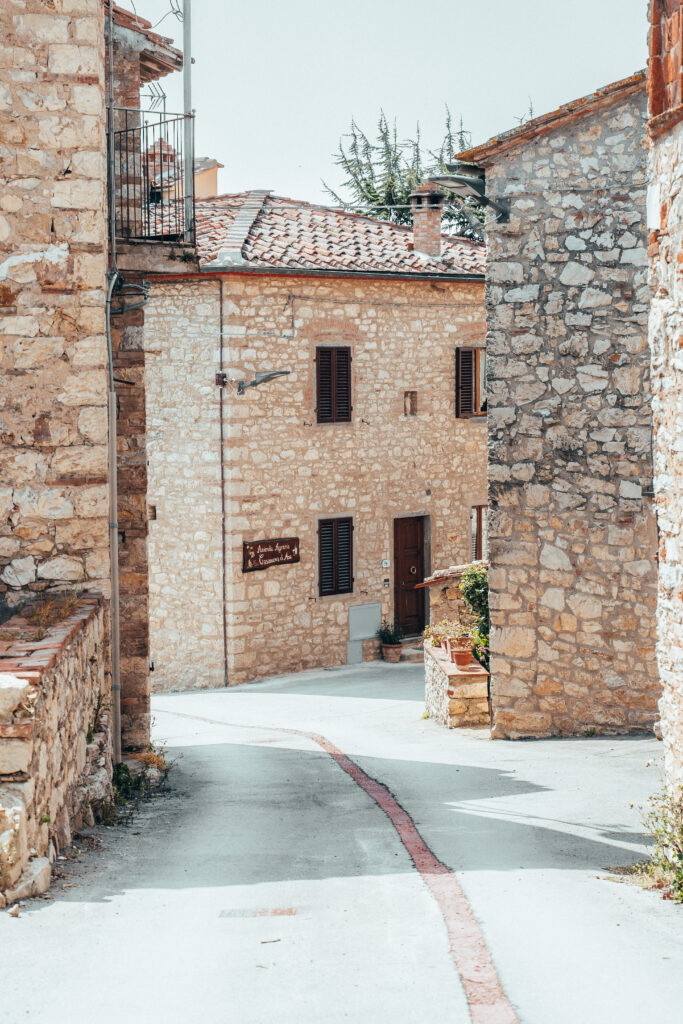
{"x": 409, "y": 604}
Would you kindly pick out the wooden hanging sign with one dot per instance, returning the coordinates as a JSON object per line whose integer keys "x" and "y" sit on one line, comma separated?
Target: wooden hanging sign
{"x": 261, "y": 554}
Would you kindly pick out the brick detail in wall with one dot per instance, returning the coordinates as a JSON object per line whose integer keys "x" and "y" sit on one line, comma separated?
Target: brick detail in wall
{"x": 426, "y": 208}
{"x": 666, "y": 331}
{"x": 665, "y": 66}
{"x": 129, "y": 369}
{"x": 572, "y": 538}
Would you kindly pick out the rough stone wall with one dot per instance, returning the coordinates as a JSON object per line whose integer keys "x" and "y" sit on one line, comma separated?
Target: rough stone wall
{"x": 284, "y": 471}
{"x": 50, "y": 774}
{"x": 53, "y": 386}
{"x": 666, "y": 333}
{"x": 445, "y": 599}
{"x": 572, "y": 540}
{"x": 452, "y": 696}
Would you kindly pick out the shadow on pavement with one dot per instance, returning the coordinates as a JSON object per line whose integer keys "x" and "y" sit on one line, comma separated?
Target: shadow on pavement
{"x": 246, "y": 814}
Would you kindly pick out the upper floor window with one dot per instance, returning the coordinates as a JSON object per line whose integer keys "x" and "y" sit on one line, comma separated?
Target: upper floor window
{"x": 333, "y": 384}
{"x": 470, "y": 382}
{"x": 335, "y": 556}
{"x": 479, "y": 533}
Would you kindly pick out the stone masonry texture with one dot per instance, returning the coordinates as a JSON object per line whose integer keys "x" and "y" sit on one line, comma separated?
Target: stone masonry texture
{"x": 55, "y": 751}
{"x": 455, "y": 697}
{"x": 572, "y": 536}
{"x": 53, "y": 387}
{"x": 284, "y": 471}
{"x": 666, "y": 327}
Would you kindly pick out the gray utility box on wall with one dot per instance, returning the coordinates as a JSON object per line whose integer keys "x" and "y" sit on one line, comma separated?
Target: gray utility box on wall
{"x": 364, "y": 621}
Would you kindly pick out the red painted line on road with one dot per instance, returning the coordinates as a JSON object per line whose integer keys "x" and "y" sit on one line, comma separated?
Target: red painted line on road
{"x": 486, "y": 998}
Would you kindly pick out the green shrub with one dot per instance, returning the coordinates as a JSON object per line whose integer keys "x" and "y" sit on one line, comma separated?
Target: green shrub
{"x": 474, "y": 587}
{"x": 664, "y": 822}
{"x": 389, "y": 634}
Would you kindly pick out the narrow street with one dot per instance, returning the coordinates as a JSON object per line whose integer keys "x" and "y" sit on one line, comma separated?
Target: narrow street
{"x": 278, "y": 882}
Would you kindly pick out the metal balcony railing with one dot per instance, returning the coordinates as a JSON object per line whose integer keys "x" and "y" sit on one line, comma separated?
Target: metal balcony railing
{"x": 150, "y": 199}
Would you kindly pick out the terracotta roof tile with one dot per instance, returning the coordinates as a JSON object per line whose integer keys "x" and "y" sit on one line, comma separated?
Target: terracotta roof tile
{"x": 286, "y": 233}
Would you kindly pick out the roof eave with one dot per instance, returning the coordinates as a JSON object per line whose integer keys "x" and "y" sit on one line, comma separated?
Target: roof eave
{"x": 210, "y": 269}
{"x": 487, "y": 152}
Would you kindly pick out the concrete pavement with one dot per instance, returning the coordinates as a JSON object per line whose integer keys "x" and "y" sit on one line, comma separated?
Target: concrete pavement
{"x": 270, "y": 885}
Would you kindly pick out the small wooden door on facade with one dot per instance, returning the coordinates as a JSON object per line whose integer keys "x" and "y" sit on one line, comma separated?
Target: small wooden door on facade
{"x": 409, "y": 558}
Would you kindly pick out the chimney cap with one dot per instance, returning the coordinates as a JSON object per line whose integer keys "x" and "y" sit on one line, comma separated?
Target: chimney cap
{"x": 427, "y": 189}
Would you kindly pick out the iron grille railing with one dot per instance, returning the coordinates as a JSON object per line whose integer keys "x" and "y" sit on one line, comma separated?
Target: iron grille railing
{"x": 147, "y": 175}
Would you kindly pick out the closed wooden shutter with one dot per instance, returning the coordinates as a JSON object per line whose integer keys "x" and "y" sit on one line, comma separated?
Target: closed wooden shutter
{"x": 344, "y": 556}
{"x": 324, "y": 372}
{"x": 465, "y": 382}
{"x": 333, "y": 384}
{"x": 474, "y": 535}
{"x": 342, "y": 384}
{"x": 326, "y": 544}
{"x": 335, "y": 550}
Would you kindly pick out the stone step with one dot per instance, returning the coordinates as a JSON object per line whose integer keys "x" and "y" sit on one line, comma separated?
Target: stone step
{"x": 413, "y": 654}
{"x": 34, "y": 881}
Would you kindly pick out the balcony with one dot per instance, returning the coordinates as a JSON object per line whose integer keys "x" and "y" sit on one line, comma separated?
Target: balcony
{"x": 148, "y": 197}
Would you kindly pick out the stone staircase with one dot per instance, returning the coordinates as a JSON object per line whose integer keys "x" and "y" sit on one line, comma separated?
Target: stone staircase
{"x": 413, "y": 650}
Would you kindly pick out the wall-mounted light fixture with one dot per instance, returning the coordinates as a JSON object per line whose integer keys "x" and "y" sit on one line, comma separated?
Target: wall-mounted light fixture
{"x": 260, "y": 377}
{"x": 467, "y": 180}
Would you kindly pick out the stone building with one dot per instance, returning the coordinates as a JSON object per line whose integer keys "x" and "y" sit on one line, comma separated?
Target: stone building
{"x": 288, "y": 519}
{"x": 665, "y": 221}
{"x": 55, "y": 253}
{"x": 57, "y": 258}
{"x": 572, "y": 534}
{"x": 53, "y": 261}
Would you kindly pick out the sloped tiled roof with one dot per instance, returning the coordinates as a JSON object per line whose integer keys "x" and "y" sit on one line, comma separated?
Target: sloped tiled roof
{"x": 260, "y": 230}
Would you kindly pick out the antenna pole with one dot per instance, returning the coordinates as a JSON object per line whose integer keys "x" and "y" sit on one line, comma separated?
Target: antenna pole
{"x": 188, "y": 172}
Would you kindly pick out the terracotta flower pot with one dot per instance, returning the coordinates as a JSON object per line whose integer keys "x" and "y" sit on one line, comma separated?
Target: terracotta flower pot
{"x": 462, "y": 654}
{"x": 391, "y": 652}
{"x": 444, "y": 644}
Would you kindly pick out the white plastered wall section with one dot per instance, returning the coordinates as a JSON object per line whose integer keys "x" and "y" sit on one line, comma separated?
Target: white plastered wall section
{"x": 183, "y": 443}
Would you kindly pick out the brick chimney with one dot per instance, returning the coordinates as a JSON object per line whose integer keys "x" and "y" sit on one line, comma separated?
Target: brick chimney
{"x": 426, "y": 202}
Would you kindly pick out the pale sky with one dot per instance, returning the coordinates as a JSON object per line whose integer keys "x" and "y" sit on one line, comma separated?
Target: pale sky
{"x": 276, "y": 82}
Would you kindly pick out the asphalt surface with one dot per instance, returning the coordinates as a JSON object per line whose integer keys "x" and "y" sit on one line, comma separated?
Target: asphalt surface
{"x": 269, "y": 885}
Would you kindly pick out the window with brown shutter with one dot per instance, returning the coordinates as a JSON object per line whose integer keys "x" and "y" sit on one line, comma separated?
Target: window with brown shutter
{"x": 470, "y": 382}
{"x": 333, "y": 384}
{"x": 335, "y": 556}
{"x": 479, "y": 533}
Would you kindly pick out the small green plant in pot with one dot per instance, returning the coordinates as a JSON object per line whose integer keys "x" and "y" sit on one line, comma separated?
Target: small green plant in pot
{"x": 461, "y": 643}
{"x": 444, "y": 630}
{"x": 390, "y": 640}
{"x": 434, "y": 635}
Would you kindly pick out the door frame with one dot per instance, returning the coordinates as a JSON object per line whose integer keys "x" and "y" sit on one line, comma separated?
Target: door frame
{"x": 426, "y": 556}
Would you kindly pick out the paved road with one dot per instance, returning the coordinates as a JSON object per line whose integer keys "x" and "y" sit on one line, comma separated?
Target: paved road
{"x": 322, "y": 875}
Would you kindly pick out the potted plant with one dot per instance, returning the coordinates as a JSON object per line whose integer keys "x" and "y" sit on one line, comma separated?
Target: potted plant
{"x": 461, "y": 644}
{"x": 443, "y": 628}
{"x": 390, "y": 640}
{"x": 434, "y": 635}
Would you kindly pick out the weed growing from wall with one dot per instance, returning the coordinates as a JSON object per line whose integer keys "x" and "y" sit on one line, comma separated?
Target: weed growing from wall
{"x": 664, "y": 822}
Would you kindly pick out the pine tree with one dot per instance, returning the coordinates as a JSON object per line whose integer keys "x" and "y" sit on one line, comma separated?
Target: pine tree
{"x": 380, "y": 175}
